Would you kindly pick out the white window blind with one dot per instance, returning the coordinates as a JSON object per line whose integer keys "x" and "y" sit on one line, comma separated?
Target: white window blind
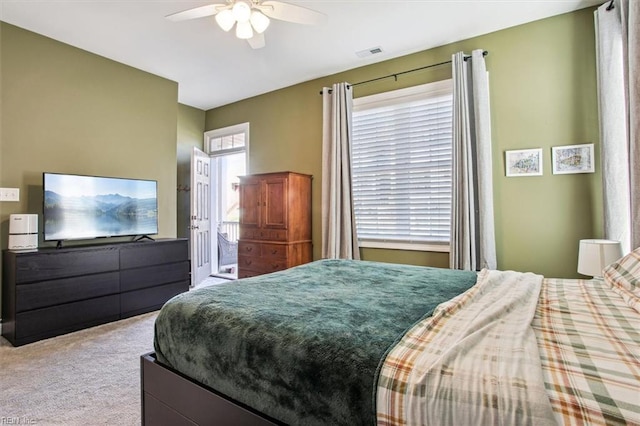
{"x": 401, "y": 158}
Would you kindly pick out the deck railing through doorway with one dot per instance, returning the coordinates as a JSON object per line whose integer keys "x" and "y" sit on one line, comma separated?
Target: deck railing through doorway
{"x": 230, "y": 229}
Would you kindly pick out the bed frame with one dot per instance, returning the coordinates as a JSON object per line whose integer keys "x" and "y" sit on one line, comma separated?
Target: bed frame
{"x": 171, "y": 398}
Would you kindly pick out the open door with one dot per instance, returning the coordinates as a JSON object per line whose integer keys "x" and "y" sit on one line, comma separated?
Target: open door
{"x": 200, "y": 216}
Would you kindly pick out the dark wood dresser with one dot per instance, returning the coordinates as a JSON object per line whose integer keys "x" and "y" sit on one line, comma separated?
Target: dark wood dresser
{"x": 275, "y": 222}
{"x": 50, "y": 292}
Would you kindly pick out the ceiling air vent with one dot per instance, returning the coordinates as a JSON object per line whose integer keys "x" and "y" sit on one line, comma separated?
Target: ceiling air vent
{"x": 369, "y": 52}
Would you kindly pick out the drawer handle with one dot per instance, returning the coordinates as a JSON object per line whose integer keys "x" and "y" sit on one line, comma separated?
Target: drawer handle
{"x": 248, "y": 262}
{"x": 248, "y": 248}
{"x": 275, "y": 265}
{"x": 274, "y": 251}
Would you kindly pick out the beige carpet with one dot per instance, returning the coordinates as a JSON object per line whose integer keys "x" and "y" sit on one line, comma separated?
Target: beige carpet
{"x": 90, "y": 377}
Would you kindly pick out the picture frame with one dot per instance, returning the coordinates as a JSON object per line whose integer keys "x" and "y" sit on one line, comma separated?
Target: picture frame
{"x": 570, "y": 159}
{"x": 523, "y": 162}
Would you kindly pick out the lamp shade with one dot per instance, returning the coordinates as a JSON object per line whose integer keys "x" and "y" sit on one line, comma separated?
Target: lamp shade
{"x": 259, "y": 21}
{"x": 595, "y": 255}
{"x": 241, "y": 11}
{"x": 225, "y": 19}
{"x": 244, "y": 30}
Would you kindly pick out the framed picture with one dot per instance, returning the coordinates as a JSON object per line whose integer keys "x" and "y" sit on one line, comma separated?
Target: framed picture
{"x": 524, "y": 162}
{"x": 572, "y": 159}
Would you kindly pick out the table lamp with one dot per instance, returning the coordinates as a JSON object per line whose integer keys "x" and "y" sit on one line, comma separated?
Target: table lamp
{"x": 595, "y": 255}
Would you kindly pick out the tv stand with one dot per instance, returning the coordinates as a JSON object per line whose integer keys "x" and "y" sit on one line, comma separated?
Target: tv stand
{"x": 55, "y": 291}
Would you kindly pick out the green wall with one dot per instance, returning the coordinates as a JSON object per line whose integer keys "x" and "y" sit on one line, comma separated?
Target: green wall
{"x": 543, "y": 94}
{"x": 69, "y": 111}
{"x": 190, "y": 134}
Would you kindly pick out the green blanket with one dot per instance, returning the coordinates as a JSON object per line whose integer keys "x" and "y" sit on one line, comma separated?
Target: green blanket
{"x": 302, "y": 345}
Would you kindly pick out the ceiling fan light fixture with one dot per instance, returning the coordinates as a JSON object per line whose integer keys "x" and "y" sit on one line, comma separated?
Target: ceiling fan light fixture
{"x": 225, "y": 19}
{"x": 244, "y": 30}
{"x": 241, "y": 11}
{"x": 259, "y": 21}
{"x": 251, "y": 17}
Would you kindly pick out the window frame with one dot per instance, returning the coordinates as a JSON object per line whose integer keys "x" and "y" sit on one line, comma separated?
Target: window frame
{"x": 395, "y": 97}
{"x": 227, "y": 131}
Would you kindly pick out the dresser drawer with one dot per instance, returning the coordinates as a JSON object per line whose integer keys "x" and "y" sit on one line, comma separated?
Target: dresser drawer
{"x": 277, "y": 235}
{"x": 153, "y": 253}
{"x": 153, "y": 276}
{"x": 149, "y": 299}
{"x": 54, "y": 320}
{"x": 273, "y": 251}
{"x": 65, "y": 290}
{"x": 247, "y": 233}
{"x": 263, "y": 234}
{"x": 248, "y": 248}
{"x": 49, "y": 265}
{"x": 265, "y": 266}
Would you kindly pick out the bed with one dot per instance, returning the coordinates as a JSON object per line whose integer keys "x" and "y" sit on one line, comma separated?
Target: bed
{"x": 355, "y": 342}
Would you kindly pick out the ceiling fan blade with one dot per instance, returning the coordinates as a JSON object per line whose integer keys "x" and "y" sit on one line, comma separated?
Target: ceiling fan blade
{"x": 257, "y": 41}
{"x": 196, "y": 12}
{"x": 291, "y": 13}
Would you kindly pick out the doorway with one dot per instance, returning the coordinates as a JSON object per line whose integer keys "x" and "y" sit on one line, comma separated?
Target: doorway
{"x": 226, "y": 154}
{"x": 227, "y": 168}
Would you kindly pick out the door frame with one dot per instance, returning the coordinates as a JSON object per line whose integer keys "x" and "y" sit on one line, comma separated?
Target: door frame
{"x": 208, "y": 137}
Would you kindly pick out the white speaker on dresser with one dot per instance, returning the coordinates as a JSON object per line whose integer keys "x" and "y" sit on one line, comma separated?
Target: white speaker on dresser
{"x": 23, "y": 232}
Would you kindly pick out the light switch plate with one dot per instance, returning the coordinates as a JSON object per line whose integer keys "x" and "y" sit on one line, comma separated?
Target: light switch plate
{"x": 9, "y": 194}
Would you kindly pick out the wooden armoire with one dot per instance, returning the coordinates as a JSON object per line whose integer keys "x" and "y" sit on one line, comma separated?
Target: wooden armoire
{"x": 275, "y": 222}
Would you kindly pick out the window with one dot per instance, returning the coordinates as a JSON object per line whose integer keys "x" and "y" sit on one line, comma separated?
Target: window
{"x": 227, "y": 140}
{"x": 401, "y": 158}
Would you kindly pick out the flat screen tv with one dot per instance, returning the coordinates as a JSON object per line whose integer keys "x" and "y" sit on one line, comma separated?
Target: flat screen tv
{"x": 83, "y": 207}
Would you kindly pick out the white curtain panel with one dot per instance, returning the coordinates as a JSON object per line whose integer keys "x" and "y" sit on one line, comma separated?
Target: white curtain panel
{"x": 633, "y": 72}
{"x": 617, "y": 38}
{"x": 339, "y": 239}
{"x": 472, "y": 223}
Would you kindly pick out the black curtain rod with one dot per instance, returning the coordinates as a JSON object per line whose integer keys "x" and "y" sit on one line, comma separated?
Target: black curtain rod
{"x": 611, "y": 6}
{"x": 395, "y": 75}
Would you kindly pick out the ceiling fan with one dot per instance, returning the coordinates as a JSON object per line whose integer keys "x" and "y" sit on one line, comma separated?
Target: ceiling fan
{"x": 251, "y": 17}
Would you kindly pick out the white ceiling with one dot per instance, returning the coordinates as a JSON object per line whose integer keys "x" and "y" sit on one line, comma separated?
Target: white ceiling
{"x": 215, "y": 68}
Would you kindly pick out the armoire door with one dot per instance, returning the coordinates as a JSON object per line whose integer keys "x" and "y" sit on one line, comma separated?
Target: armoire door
{"x": 275, "y": 203}
{"x": 250, "y": 203}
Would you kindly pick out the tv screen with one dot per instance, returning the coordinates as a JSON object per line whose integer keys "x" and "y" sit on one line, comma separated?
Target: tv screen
{"x": 83, "y": 207}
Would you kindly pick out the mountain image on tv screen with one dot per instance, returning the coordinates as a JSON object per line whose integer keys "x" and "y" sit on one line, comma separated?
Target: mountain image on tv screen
{"x": 83, "y": 207}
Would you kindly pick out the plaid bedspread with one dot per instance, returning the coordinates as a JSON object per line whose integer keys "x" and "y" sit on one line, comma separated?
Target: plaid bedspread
{"x": 474, "y": 362}
{"x": 589, "y": 341}
{"x": 585, "y": 356}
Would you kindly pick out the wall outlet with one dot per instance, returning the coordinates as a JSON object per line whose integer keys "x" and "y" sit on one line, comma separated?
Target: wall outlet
{"x": 9, "y": 194}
